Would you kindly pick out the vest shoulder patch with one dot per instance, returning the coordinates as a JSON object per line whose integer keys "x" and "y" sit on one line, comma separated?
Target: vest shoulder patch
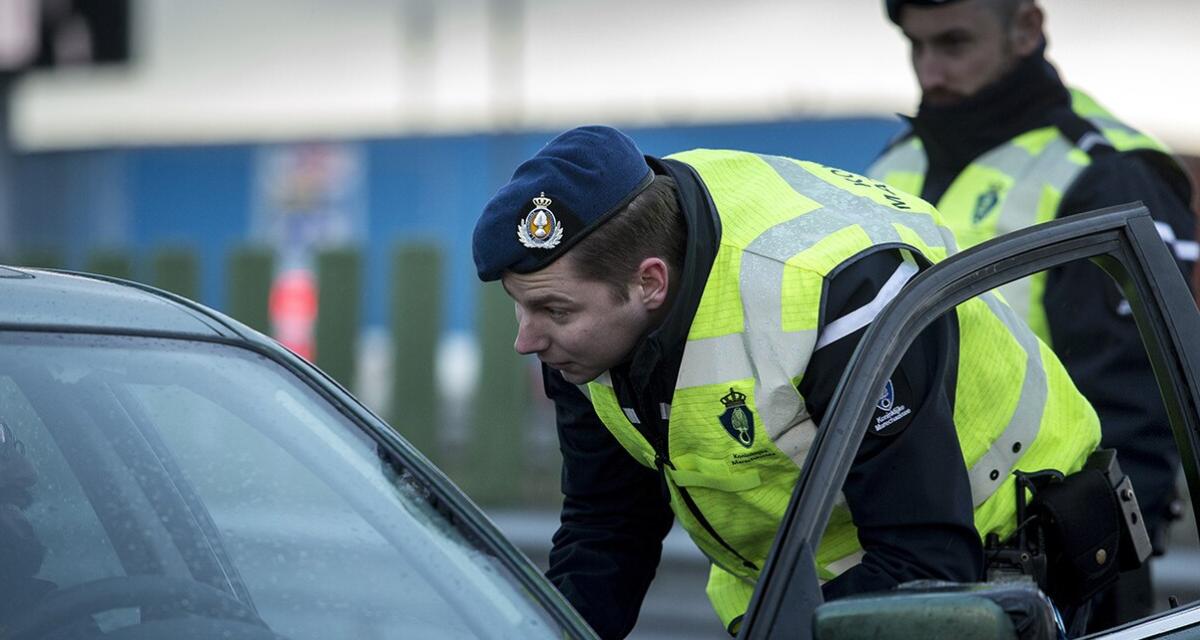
{"x": 893, "y": 412}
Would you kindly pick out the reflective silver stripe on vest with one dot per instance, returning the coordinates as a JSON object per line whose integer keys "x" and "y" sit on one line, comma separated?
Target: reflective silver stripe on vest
{"x": 1010, "y": 159}
{"x": 838, "y": 567}
{"x": 1031, "y": 174}
{"x": 1109, "y": 124}
{"x": 908, "y": 157}
{"x": 1091, "y": 139}
{"x": 1050, "y": 168}
{"x": 713, "y": 361}
{"x": 997, "y": 462}
{"x": 843, "y": 209}
{"x": 779, "y": 355}
{"x": 1185, "y": 250}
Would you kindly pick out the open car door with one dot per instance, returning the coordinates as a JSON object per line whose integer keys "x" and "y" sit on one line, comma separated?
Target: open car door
{"x": 1124, "y": 242}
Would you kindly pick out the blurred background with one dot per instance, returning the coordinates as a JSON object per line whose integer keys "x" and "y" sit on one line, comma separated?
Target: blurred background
{"x": 314, "y": 168}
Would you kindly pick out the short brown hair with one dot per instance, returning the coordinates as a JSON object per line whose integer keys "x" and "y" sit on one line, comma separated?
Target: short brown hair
{"x": 649, "y": 226}
{"x": 1006, "y": 10}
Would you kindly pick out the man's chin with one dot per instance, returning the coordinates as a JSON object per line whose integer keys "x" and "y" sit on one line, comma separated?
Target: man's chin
{"x": 942, "y": 99}
{"x": 578, "y": 376}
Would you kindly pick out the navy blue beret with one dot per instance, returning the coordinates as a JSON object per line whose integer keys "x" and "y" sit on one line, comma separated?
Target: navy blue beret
{"x": 893, "y": 6}
{"x": 554, "y": 199}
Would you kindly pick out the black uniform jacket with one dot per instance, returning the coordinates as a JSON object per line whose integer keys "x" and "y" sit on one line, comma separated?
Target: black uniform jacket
{"x": 1091, "y": 328}
{"x": 908, "y": 491}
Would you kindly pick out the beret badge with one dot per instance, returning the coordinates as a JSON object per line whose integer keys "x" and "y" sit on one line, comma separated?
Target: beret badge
{"x": 540, "y": 229}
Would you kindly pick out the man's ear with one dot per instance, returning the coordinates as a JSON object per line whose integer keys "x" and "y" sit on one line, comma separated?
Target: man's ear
{"x": 653, "y": 281}
{"x": 1027, "y": 28}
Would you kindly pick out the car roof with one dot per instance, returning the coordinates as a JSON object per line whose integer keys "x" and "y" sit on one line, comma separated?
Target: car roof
{"x": 45, "y": 299}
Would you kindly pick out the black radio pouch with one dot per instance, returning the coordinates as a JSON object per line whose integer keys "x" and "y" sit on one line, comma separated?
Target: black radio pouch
{"x": 1092, "y": 526}
{"x": 1081, "y": 522}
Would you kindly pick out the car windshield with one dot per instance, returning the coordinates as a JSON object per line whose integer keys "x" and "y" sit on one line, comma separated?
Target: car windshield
{"x": 137, "y": 474}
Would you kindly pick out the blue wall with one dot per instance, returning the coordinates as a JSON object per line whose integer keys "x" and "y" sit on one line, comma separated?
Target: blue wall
{"x": 427, "y": 188}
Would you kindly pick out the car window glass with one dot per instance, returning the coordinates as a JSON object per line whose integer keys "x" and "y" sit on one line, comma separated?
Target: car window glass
{"x": 63, "y": 525}
{"x": 209, "y": 464}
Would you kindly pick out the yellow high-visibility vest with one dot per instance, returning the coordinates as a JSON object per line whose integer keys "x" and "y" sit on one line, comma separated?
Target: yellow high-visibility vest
{"x": 1017, "y": 184}
{"x": 739, "y": 429}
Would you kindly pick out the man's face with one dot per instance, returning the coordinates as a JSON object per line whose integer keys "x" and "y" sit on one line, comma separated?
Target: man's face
{"x": 574, "y": 325}
{"x": 957, "y": 49}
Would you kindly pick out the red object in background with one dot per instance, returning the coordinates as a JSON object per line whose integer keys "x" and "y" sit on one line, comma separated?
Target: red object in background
{"x": 293, "y": 310}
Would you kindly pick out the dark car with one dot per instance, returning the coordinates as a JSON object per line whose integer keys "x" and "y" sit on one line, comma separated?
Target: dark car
{"x": 166, "y": 472}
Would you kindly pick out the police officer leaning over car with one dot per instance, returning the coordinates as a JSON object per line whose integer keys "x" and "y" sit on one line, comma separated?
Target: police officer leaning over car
{"x": 693, "y": 314}
{"x": 999, "y": 143}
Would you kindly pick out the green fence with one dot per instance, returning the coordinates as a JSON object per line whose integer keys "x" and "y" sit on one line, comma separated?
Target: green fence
{"x": 43, "y": 258}
{"x": 110, "y": 262}
{"x": 176, "y": 269}
{"x": 248, "y": 285}
{"x": 339, "y": 290}
{"x": 415, "y": 319}
{"x": 499, "y": 418}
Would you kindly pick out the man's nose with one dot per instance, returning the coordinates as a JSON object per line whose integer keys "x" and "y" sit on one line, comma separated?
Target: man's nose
{"x": 931, "y": 72}
{"x": 529, "y": 338}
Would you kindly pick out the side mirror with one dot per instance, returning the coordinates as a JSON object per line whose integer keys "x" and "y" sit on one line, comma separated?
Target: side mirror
{"x": 1004, "y": 611}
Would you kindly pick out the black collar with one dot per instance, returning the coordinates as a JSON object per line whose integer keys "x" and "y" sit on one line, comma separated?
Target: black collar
{"x": 658, "y": 355}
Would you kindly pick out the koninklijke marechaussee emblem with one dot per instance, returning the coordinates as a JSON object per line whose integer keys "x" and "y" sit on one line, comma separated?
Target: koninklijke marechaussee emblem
{"x": 540, "y": 229}
{"x": 986, "y": 202}
{"x": 737, "y": 419}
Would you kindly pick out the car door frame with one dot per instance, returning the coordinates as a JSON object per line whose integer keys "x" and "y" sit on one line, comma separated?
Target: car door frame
{"x": 1122, "y": 240}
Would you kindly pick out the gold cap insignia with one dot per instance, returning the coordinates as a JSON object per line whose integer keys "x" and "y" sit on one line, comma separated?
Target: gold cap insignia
{"x": 540, "y": 229}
